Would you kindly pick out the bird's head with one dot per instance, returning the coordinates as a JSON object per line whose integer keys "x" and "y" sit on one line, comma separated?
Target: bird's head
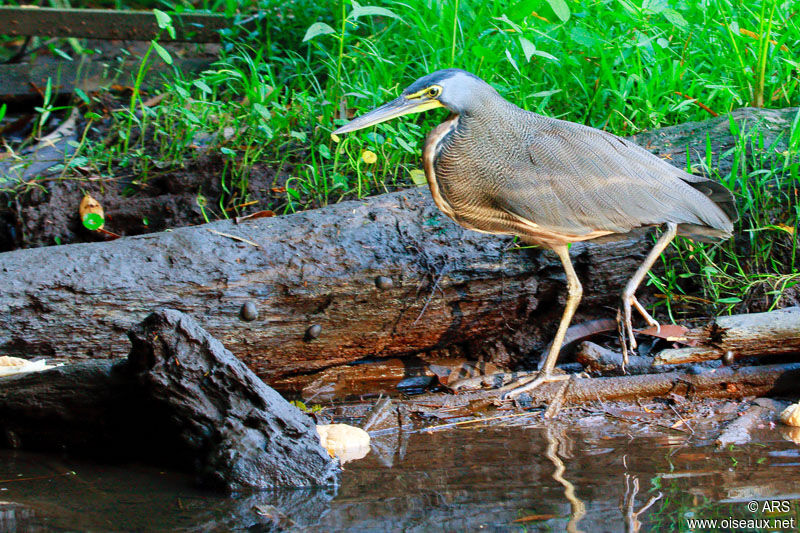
{"x": 457, "y": 90}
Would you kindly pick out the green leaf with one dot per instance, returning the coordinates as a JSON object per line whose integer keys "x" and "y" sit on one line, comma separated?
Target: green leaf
{"x": 371, "y": 11}
{"x": 508, "y": 21}
{"x": 542, "y": 94}
{"x": 731, "y": 300}
{"x": 162, "y": 19}
{"x": 407, "y": 147}
{"x": 162, "y": 52}
{"x": 511, "y": 60}
{"x": 560, "y": 8}
{"x": 545, "y": 55}
{"x": 317, "y": 29}
{"x": 675, "y": 18}
{"x": 59, "y": 52}
{"x": 82, "y": 95}
{"x": 262, "y": 111}
{"x": 583, "y": 37}
{"x": 418, "y": 177}
{"x": 293, "y": 193}
{"x": 200, "y": 84}
{"x": 528, "y": 48}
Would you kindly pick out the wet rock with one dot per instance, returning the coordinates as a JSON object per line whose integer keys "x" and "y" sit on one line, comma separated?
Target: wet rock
{"x": 248, "y": 312}
{"x": 243, "y": 433}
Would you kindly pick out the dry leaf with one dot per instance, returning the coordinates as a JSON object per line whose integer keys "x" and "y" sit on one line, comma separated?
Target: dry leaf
{"x": 258, "y": 214}
{"x": 668, "y": 332}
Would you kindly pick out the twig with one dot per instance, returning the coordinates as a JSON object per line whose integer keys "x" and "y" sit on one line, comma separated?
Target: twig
{"x": 234, "y": 237}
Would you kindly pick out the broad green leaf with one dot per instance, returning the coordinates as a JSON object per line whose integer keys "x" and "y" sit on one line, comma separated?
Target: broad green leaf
{"x": 407, "y": 147}
{"x": 418, "y": 177}
{"x": 560, "y": 8}
{"x": 162, "y": 52}
{"x": 200, "y": 84}
{"x": 583, "y": 37}
{"x": 367, "y": 11}
{"x": 528, "y": 48}
{"x": 654, "y": 6}
{"x": 675, "y": 18}
{"x": 317, "y": 29}
{"x": 263, "y": 111}
{"x": 162, "y": 19}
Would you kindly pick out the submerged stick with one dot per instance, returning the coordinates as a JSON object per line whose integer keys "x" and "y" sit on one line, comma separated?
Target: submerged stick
{"x": 727, "y": 382}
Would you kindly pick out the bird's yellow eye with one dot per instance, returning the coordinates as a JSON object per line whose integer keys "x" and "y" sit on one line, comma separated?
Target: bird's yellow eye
{"x": 433, "y": 91}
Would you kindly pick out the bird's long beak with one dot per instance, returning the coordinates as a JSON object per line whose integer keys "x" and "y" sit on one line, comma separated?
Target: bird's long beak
{"x": 397, "y": 107}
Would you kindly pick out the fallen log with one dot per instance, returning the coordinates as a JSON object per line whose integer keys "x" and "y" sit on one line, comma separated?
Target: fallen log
{"x": 180, "y": 399}
{"x": 724, "y": 382}
{"x": 382, "y": 277}
{"x": 738, "y": 336}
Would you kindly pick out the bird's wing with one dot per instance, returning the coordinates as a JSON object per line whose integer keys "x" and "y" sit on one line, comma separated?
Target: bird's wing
{"x": 579, "y": 180}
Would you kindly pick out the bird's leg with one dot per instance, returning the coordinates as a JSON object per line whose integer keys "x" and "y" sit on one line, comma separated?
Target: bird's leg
{"x": 628, "y": 296}
{"x": 575, "y": 291}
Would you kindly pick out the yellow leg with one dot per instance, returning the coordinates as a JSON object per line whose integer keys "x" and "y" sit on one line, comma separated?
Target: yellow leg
{"x": 575, "y": 291}
{"x": 628, "y": 297}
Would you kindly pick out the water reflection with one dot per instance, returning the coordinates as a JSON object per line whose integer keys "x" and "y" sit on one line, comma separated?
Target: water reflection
{"x": 496, "y": 479}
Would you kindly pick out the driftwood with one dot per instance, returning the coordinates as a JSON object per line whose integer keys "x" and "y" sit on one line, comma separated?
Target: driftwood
{"x": 599, "y": 360}
{"x": 383, "y": 277}
{"x": 179, "y": 399}
{"x": 739, "y": 336}
{"x": 724, "y": 382}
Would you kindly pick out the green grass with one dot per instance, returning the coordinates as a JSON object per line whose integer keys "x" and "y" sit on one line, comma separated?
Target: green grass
{"x": 272, "y": 99}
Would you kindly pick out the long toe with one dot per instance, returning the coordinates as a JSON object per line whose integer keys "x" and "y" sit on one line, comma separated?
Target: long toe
{"x": 515, "y": 388}
{"x": 642, "y": 311}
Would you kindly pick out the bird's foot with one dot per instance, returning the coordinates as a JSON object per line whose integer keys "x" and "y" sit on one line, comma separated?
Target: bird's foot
{"x": 626, "y": 337}
{"x": 517, "y": 387}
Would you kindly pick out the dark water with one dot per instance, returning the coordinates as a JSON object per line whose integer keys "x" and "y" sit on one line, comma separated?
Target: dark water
{"x": 496, "y": 479}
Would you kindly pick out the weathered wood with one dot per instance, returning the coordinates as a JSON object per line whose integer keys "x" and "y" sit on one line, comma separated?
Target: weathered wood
{"x": 180, "y": 399}
{"x": 607, "y": 362}
{"x": 451, "y": 291}
{"x": 26, "y": 81}
{"x": 753, "y": 335}
{"x": 723, "y": 382}
{"x": 109, "y": 24}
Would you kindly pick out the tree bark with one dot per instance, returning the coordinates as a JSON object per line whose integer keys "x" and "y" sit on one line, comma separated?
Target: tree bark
{"x": 180, "y": 399}
{"x": 386, "y": 276}
{"x": 739, "y": 336}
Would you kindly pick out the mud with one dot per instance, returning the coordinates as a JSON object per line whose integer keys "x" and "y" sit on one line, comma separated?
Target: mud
{"x": 169, "y": 199}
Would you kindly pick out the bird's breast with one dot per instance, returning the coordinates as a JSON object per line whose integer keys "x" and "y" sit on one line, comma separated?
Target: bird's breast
{"x": 433, "y": 146}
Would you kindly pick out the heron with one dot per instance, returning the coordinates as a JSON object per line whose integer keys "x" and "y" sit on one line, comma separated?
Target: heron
{"x": 496, "y": 168}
